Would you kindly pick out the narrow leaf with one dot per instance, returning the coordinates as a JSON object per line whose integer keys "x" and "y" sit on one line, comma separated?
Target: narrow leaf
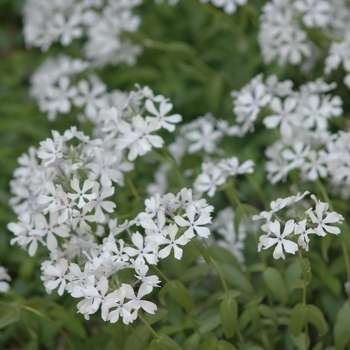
{"x": 228, "y": 315}
{"x": 275, "y": 284}
{"x": 317, "y": 319}
{"x": 9, "y": 314}
{"x": 341, "y": 330}
{"x": 298, "y": 319}
{"x": 202, "y": 250}
{"x": 180, "y": 294}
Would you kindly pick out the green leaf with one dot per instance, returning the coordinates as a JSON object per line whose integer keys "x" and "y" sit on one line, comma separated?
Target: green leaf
{"x": 298, "y": 318}
{"x": 202, "y": 250}
{"x": 317, "y": 319}
{"x": 225, "y": 345}
{"x": 168, "y": 342}
{"x": 194, "y": 272}
{"x": 275, "y": 284}
{"x": 192, "y": 341}
{"x": 180, "y": 294}
{"x": 236, "y": 278}
{"x": 318, "y": 346}
{"x": 210, "y": 344}
{"x": 301, "y": 342}
{"x": 159, "y": 315}
{"x": 233, "y": 294}
{"x": 180, "y": 47}
{"x": 9, "y": 314}
{"x": 341, "y": 330}
{"x": 267, "y": 312}
{"x": 228, "y": 315}
{"x": 135, "y": 341}
{"x": 210, "y": 323}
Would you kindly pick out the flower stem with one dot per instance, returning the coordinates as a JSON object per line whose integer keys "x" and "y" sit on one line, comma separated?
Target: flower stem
{"x": 161, "y": 273}
{"x": 153, "y": 332}
{"x": 137, "y": 336}
{"x": 224, "y": 285}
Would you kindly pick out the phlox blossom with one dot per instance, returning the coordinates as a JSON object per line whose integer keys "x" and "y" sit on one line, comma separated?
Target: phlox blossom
{"x": 266, "y": 241}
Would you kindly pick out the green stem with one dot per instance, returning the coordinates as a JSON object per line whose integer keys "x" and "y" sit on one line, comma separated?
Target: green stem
{"x": 137, "y": 336}
{"x": 304, "y": 278}
{"x": 304, "y": 295}
{"x": 161, "y": 274}
{"x": 324, "y": 194}
{"x": 224, "y": 285}
{"x": 133, "y": 188}
{"x": 153, "y": 332}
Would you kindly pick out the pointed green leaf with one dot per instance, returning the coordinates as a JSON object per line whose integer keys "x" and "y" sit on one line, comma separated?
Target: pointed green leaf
{"x": 210, "y": 323}
{"x": 267, "y": 312}
{"x": 168, "y": 342}
{"x": 210, "y": 344}
{"x": 228, "y": 315}
{"x": 275, "y": 284}
{"x": 202, "y": 250}
{"x": 180, "y": 294}
{"x": 298, "y": 319}
{"x": 341, "y": 330}
{"x": 302, "y": 342}
{"x": 236, "y": 278}
{"x": 192, "y": 341}
{"x": 317, "y": 319}
{"x": 225, "y": 345}
{"x": 9, "y": 314}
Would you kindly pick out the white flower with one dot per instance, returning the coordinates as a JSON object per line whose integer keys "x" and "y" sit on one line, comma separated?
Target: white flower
{"x": 81, "y": 193}
{"x": 266, "y": 241}
{"x": 211, "y": 177}
{"x": 171, "y": 243}
{"x": 323, "y": 218}
{"x": 194, "y": 221}
{"x": 203, "y": 137}
{"x": 4, "y": 276}
{"x": 303, "y": 239}
{"x": 285, "y": 117}
{"x": 55, "y": 275}
{"x": 164, "y": 121}
{"x": 316, "y": 12}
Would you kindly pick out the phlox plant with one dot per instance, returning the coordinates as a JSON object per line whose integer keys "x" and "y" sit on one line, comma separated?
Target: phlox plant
{"x": 193, "y": 191}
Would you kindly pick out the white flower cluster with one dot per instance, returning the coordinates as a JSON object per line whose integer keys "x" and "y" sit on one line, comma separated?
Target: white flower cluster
{"x": 4, "y": 279}
{"x": 63, "y": 203}
{"x": 215, "y": 174}
{"x": 60, "y": 83}
{"x": 101, "y": 22}
{"x": 229, "y": 6}
{"x": 284, "y": 27}
{"x": 202, "y": 136}
{"x": 316, "y": 220}
{"x": 302, "y": 120}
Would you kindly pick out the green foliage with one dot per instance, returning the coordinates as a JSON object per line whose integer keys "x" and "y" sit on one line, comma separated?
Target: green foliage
{"x": 195, "y": 55}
